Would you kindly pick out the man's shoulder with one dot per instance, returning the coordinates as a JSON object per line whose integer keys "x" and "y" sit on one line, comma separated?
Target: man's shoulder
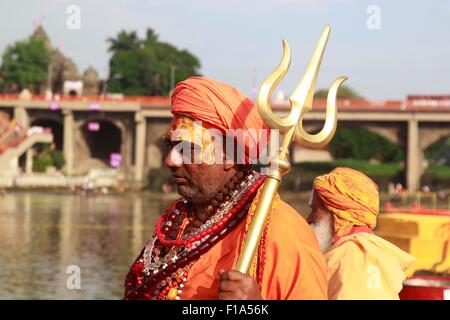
{"x": 345, "y": 259}
{"x": 285, "y": 215}
{"x": 368, "y": 246}
{"x": 361, "y": 242}
{"x": 342, "y": 250}
{"x": 354, "y": 250}
{"x": 288, "y": 226}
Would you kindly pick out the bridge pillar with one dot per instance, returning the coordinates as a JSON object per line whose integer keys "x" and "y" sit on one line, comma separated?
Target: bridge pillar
{"x": 139, "y": 147}
{"x": 29, "y": 162}
{"x": 21, "y": 116}
{"x": 68, "y": 141}
{"x": 413, "y": 160}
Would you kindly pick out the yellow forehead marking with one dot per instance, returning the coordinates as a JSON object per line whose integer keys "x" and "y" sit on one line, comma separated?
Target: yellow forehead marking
{"x": 187, "y": 129}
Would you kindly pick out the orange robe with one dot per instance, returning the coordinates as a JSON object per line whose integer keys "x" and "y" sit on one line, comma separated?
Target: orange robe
{"x": 294, "y": 266}
{"x": 363, "y": 266}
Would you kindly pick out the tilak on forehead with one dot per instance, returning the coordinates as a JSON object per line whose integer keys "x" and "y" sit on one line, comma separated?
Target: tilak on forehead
{"x": 201, "y": 106}
{"x": 184, "y": 128}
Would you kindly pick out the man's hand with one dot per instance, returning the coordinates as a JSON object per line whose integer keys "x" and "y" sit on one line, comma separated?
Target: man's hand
{"x": 235, "y": 285}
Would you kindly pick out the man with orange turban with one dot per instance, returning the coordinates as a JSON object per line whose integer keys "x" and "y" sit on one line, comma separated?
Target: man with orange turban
{"x": 361, "y": 265}
{"x": 197, "y": 241}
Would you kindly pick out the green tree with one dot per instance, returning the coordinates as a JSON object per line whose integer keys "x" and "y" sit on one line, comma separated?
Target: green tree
{"x": 361, "y": 144}
{"x": 48, "y": 156}
{"x": 25, "y": 65}
{"x": 125, "y": 41}
{"x": 439, "y": 152}
{"x": 344, "y": 92}
{"x": 146, "y": 66}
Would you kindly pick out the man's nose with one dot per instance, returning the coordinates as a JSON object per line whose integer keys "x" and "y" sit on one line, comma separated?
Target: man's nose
{"x": 173, "y": 159}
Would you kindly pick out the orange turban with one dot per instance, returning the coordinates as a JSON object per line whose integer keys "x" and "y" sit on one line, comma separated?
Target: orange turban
{"x": 351, "y": 196}
{"x": 218, "y": 105}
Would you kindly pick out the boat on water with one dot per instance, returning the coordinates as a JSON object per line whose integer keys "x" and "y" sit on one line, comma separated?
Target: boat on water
{"x": 424, "y": 233}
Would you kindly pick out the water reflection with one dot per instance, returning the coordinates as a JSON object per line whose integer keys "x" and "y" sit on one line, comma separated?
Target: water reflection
{"x": 41, "y": 234}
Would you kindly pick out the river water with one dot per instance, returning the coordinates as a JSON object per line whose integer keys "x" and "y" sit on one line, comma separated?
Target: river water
{"x": 43, "y": 234}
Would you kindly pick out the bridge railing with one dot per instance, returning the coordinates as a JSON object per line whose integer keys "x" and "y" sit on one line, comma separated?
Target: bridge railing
{"x": 403, "y": 105}
{"x": 112, "y": 98}
{"x": 430, "y": 200}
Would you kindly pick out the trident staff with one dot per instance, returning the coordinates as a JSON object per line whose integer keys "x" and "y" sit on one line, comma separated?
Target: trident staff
{"x": 292, "y": 129}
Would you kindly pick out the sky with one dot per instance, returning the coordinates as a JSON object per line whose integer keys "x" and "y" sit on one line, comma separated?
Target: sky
{"x": 388, "y": 49}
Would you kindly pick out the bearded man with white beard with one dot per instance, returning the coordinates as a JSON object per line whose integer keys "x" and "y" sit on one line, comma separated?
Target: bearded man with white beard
{"x": 360, "y": 265}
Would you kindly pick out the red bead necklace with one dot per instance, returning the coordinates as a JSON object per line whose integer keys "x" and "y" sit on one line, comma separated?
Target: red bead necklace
{"x": 164, "y": 223}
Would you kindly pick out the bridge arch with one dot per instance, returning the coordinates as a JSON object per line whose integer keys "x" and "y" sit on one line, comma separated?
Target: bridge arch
{"x": 103, "y": 138}
{"x": 388, "y": 132}
{"x": 431, "y": 136}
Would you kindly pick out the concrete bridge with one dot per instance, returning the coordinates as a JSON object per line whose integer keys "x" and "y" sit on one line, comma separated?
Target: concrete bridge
{"x": 90, "y": 129}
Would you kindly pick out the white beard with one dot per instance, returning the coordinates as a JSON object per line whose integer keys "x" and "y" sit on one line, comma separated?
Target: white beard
{"x": 324, "y": 231}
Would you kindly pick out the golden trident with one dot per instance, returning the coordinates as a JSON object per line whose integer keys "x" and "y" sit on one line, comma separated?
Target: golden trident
{"x": 292, "y": 129}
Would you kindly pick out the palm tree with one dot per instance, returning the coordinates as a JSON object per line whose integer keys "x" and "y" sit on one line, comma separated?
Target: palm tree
{"x": 124, "y": 41}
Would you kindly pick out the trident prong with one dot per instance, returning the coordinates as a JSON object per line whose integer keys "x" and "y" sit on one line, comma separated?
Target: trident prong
{"x": 292, "y": 129}
{"x": 324, "y": 136}
{"x": 301, "y": 99}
